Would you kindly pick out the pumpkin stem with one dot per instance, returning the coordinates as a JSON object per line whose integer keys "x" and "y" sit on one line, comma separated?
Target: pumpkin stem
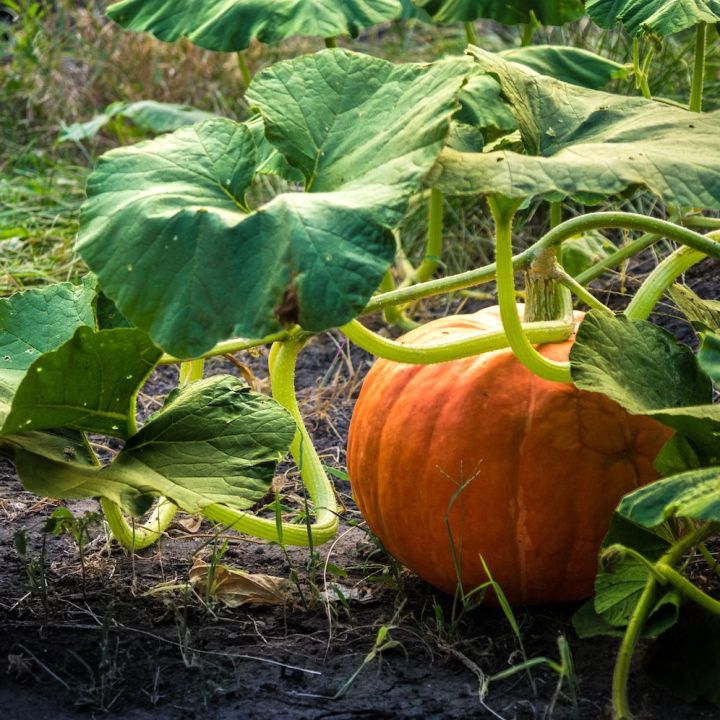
{"x": 542, "y": 287}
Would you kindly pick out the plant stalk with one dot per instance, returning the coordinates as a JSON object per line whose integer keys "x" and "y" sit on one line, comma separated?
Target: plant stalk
{"x": 659, "y": 280}
{"x": 433, "y": 249}
{"x": 244, "y": 69}
{"x": 645, "y": 604}
{"x": 470, "y": 33}
{"x": 487, "y": 341}
{"x": 134, "y": 535}
{"x": 567, "y": 229}
{"x": 698, "y": 77}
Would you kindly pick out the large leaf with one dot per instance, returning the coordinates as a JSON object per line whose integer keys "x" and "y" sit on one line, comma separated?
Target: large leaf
{"x": 694, "y": 494}
{"x": 643, "y": 368}
{"x": 166, "y": 230}
{"x": 618, "y": 591}
{"x": 590, "y": 144}
{"x": 510, "y": 12}
{"x": 662, "y": 17}
{"x": 569, "y": 64}
{"x": 213, "y": 442}
{"x": 37, "y": 321}
{"x": 89, "y": 383}
{"x": 230, "y": 25}
{"x": 348, "y": 120}
{"x": 175, "y": 246}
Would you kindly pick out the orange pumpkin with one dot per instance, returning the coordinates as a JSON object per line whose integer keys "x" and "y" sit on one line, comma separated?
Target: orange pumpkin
{"x": 544, "y": 463}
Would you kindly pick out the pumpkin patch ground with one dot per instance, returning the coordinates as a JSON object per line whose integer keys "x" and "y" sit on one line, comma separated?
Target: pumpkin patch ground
{"x": 135, "y": 640}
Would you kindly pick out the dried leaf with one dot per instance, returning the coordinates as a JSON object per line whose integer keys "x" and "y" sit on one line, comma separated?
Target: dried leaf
{"x": 235, "y": 588}
{"x": 191, "y": 523}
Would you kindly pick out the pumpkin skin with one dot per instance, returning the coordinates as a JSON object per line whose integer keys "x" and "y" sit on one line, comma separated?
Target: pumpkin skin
{"x": 545, "y": 466}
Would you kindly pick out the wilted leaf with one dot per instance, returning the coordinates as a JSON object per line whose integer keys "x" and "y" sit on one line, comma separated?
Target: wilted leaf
{"x": 235, "y": 588}
{"x": 589, "y": 145}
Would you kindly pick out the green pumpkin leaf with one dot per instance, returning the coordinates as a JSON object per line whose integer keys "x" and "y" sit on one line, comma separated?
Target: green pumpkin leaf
{"x": 148, "y": 115}
{"x": 709, "y": 356}
{"x": 348, "y": 120}
{"x": 622, "y": 578}
{"x": 589, "y": 145}
{"x": 569, "y": 64}
{"x": 617, "y": 594}
{"x": 701, "y": 314}
{"x": 60, "y": 445}
{"x": 661, "y": 17}
{"x": 694, "y": 494}
{"x": 658, "y": 376}
{"x": 687, "y": 659}
{"x": 214, "y": 441}
{"x": 269, "y": 160}
{"x": 510, "y": 12}
{"x": 230, "y": 25}
{"x": 88, "y": 383}
{"x": 676, "y": 456}
{"x": 37, "y": 321}
{"x": 169, "y": 234}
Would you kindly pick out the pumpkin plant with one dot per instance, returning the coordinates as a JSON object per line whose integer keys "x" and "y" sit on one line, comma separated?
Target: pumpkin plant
{"x": 191, "y": 264}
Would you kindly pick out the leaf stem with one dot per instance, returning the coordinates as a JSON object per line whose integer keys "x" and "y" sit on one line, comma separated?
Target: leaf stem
{"x": 621, "y": 671}
{"x": 698, "y": 77}
{"x": 433, "y": 249}
{"x": 321, "y": 490}
{"x": 487, "y": 341}
{"x": 244, "y": 69}
{"x": 503, "y": 212}
{"x": 688, "y": 589}
{"x": 567, "y": 229}
{"x": 134, "y": 535}
{"x": 582, "y": 293}
{"x": 470, "y": 33}
{"x": 228, "y": 347}
{"x": 659, "y": 280}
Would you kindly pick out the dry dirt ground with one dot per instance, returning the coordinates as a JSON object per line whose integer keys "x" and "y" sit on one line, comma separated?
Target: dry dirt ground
{"x": 132, "y": 639}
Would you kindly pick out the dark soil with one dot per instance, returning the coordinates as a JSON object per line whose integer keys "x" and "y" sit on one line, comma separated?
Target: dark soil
{"x": 133, "y": 640}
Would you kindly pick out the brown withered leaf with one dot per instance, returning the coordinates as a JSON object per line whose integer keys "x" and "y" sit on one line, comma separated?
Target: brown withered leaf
{"x": 191, "y": 523}
{"x": 235, "y": 588}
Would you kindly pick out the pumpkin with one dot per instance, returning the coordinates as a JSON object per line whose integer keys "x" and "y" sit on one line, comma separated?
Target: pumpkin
{"x": 543, "y": 466}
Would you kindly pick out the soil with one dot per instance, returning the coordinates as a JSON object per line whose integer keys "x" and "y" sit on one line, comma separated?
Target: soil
{"x": 132, "y": 639}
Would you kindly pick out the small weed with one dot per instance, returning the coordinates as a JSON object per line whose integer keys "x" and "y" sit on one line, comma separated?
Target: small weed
{"x": 63, "y": 522}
